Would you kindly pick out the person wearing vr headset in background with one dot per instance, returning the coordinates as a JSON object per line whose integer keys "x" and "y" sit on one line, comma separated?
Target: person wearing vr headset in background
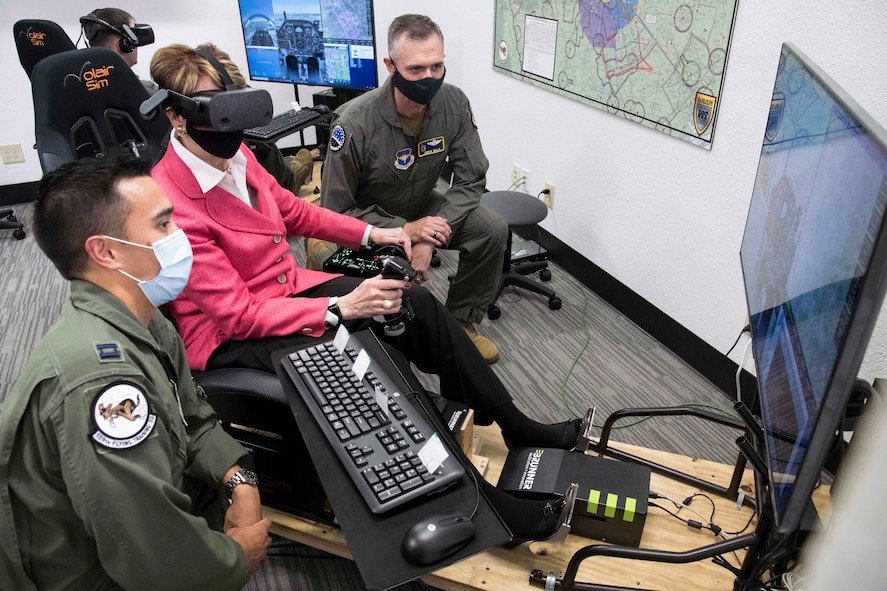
{"x": 117, "y": 30}
{"x": 113, "y": 465}
{"x": 247, "y": 298}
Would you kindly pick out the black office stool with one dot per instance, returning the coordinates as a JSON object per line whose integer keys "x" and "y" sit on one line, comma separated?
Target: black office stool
{"x": 519, "y": 209}
{"x": 11, "y": 223}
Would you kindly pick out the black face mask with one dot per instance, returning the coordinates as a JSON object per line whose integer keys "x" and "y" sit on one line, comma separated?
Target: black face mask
{"x": 223, "y": 144}
{"x": 418, "y": 91}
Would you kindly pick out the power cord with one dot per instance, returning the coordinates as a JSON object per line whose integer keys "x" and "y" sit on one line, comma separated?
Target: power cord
{"x": 739, "y": 369}
{"x": 705, "y": 523}
{"x": 745, "y": 329}
{"x": 518, "y": 183}
{"x": 582, "y": 349}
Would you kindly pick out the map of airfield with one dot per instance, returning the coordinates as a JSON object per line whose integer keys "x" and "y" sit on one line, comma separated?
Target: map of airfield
{"x": 660, "y": 64}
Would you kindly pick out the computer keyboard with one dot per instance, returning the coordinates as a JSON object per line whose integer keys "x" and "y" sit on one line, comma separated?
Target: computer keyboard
{"x": 380, "y": 448}
{"x": 281, "y": 123}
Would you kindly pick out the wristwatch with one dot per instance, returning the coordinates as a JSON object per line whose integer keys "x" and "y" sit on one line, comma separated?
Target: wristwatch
{"x": 333, "y": 310}
{"x": 242, "y": 476}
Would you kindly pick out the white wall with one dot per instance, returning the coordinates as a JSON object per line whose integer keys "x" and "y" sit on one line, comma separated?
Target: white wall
{"x": 662, "y": 216}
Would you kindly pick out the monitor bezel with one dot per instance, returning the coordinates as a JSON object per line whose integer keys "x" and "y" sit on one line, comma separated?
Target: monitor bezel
{"x": 854, "y": 346}
{"x": 335, "y": 87}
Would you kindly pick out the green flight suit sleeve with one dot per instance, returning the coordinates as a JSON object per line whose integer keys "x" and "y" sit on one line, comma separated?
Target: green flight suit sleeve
{"x": 145, "y": 533}
{"x": 211, "y": 451}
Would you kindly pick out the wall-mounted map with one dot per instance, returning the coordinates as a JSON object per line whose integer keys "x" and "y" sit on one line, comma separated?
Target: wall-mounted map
{"x": 659, "y": 63}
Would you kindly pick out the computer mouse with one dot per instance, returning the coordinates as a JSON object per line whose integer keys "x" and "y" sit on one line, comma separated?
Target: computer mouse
{"x": 436, "y": 537}
{"x": 321, "y": 108}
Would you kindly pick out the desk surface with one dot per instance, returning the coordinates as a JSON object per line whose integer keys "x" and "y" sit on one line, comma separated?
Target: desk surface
{"x": 502, "y": 568}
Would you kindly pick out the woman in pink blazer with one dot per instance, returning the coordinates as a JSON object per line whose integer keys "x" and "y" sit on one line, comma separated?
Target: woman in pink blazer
{"x": 247, "y": 297}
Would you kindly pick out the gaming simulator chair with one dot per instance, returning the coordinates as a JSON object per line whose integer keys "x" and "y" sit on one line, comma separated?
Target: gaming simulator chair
{"x": 86, "y": 105}
{"x": 37, "y": 39}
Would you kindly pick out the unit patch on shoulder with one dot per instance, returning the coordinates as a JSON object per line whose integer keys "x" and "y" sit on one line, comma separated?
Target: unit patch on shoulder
{"x": 435, "y": 145}
{"x": 122, "y": 416}
{"x": 337, "y": 137}
{"x": 403, "y": 159}
{"x": 108, "y": 352}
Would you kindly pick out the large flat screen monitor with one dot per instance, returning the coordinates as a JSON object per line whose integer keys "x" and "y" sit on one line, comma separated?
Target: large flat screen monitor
{"x": 312, "y": 42}
{"x": 813, "y": 260}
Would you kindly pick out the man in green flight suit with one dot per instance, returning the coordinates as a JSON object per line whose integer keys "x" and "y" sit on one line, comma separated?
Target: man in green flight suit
{"x": 112, "y": 462}
{"x": 386, "y": 152}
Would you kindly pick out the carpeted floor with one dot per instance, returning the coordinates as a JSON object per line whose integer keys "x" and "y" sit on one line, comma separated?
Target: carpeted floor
{"x": 555, "y": 364}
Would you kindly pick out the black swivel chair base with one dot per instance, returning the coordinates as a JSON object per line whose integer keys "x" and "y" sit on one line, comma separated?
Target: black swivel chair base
{"x": 11, "y": 223}
{"x": 519, "y": 209}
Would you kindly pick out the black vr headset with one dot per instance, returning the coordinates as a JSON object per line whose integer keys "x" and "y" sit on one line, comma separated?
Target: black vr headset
{"x": 130, "y": 37}
{"x": 232, "y": 109}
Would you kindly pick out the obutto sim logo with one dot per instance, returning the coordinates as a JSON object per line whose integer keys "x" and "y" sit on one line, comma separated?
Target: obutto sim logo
{"x": 92, "y": 78}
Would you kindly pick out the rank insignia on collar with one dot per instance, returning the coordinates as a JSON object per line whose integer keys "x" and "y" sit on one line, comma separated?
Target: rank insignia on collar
{"x": 403, "y": 159}
{"x": 435, "y": 145}
{"x": 337, "y": 138}
{"x": 122, "y": 416}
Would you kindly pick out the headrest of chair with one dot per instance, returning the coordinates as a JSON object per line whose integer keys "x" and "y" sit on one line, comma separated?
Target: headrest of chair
{"x": 93, "y": 70}
{"x": 35, "y": 39}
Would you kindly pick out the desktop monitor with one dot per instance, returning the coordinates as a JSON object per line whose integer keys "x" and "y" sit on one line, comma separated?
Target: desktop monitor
{"x": 814, "y": 262}
{"x": 312, "y": 42}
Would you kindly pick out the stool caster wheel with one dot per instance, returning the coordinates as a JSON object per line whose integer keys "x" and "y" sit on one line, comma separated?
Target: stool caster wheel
{"x": 493, "y": 312}
{"x": 545, "y": 274}
{"x": 435, "y": 259}
{"x": 554, "y": 303}
{"x": 18, "y": 234}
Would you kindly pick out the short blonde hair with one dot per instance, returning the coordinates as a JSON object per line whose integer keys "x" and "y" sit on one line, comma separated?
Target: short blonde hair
{"x": 178, "y": 67}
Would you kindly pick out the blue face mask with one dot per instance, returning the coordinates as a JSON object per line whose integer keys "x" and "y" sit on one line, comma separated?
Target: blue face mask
{"x": 174, "y": 254}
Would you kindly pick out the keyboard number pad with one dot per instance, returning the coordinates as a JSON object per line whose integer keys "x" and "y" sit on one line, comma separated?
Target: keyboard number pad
{"x": 397, "y": 475}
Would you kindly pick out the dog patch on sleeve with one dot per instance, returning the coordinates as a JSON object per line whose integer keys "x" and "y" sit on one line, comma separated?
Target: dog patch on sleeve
{"x": 122, "y": 416}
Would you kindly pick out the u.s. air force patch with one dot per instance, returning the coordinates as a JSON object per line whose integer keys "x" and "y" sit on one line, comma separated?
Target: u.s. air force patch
{"x": 403, "y": 159}
{"x": 337, "y": 138}
{"x": 122, "y": 416}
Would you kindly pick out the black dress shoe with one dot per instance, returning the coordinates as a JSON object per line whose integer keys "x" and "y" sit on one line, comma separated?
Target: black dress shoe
{"x": 575, "y": 435}
{"x": 557, "y": 516}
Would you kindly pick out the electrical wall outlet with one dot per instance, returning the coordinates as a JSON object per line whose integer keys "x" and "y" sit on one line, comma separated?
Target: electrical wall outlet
{"x": 12, "y": 153}
{"x": 525, "y": 185}
{"x": 515, "y": 176}
{"x": 549, "y": 197}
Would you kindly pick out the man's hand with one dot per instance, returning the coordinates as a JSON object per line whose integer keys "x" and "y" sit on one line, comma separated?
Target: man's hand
{"x": 245, "y": 509}
{"x": 396, "y": 236}
{"x": 369, "y": 298}
{"x": 432, "y": 229}
{"x": 254, "y": 540}
{"x": 422, "y": 261}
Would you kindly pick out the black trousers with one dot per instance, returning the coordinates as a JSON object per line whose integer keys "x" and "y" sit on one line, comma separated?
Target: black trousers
{"x": 433, "y": 341}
